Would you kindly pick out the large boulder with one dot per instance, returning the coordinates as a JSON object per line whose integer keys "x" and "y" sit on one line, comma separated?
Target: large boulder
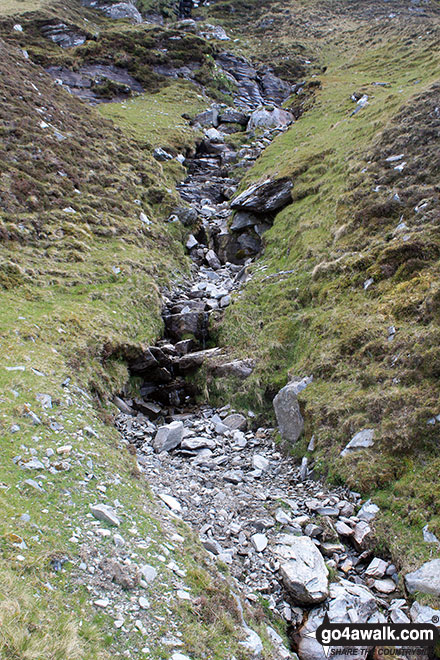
{"x": 348, "y": 603}
{"x": 123, "y": 10}
{"x": 269, "y": 118}
{"x": 426, "y": 579}
{"x": 266, "y": 197}
{"x": 168, "y": 437}
{"x": 275, "y": 89}
{"x": 243, "y": 220}
{"x": 304, "y": 574}
{"x": 287, "y": 411}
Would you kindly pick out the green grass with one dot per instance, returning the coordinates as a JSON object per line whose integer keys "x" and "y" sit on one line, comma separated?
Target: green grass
{"x": 156, "y": 119}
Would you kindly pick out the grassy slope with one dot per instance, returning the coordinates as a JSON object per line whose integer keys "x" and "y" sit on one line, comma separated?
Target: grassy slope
{"x": 339, "y": 232}
{"x": 66, "y": 312}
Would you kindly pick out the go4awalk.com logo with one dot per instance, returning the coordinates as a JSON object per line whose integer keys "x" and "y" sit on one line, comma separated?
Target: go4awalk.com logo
{"x": 411, "y": 636}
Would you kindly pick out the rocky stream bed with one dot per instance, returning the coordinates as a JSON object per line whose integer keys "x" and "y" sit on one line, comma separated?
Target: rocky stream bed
{"x": 284, "y": 536}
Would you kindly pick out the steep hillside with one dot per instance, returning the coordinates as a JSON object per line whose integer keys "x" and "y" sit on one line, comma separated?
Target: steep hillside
{"x": 149, "y": 506}
{"x": 346, "y": 290}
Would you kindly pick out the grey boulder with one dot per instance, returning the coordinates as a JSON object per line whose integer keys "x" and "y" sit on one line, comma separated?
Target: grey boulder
{"x": 269, "y": 118}
{"x": 425, "y": 579}
{"x": 305, "y": 574}
{"x": 271, "y": 195}
{"x": 287, "y": 410}
{"x": 123, "y": 10}
{"x": 168, "y": 437}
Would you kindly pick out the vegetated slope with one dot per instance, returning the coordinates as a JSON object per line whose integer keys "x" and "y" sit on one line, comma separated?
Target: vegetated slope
{"x": 360, "y": 309}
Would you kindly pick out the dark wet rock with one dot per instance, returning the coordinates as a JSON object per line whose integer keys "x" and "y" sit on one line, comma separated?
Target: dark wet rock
{"x": 161, "y": 155}
{"x": 185, "y": 323}
{"x": 64, "y": 35}
{"x": 231, "y": 116}
{"x": 144, "y": 362}
{"x": 187, "y": 215}
{"x": 86, "y": 81}
{"x": 272, "y": 195}
{"x": 207, "y": 118}
{"x": 243, "y": 220}
{"x": 274, "y": 88}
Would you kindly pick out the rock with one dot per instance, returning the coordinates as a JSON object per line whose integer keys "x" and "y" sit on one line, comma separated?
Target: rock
{"x": 243, "y": 220}
{"x": 212, "y": 260}
{"x": 185, "y": 323}
{"x": 425, "y": 579}
{"x": 179, "y": 656}
{"x": 123, "y": 10}
{"x": 105, "y": 513}
{"x": 277, "y": 640}
{"x": 191, "y": 242}
{"x": 148, "y": 573}
{"x": 347, "y": 603}
{"x": 260, "y": 463}
{"x": 233, "y": 476}
{"x": 287, "y": 411}
{"x": 231, "y": 116}
{"x": 282, "y": 517}
{"x": 377, "y": 568}
{"x": 102, "y": 603}
{"x": 303, "y": 470}
{"x": 123, "y": 407}
{"x": 428, "y": 536}
{"x": 362, "y": 440}
{"x": 398, "y": 616}
{"x": 161, "y": 155}
{"x": 208, "y": 118}
{"x": 33, "y": 464}
{"x": 275, "y": 89}
{"x": 272, "y": 195}
{"x": 259, "y": 541}
{"x": 343, "y": 529}
{"x": 386, "y": 586}
{"x": 197, "y": 443}
{"x": 171, "y": 502}
{"x": 212, "y": 546}
{"x": 143, "y": 603}
{"x": 305, "y": 575}
{"x": 187, "y": 215}
{"x": 368, "y": 511}
{"x": 195, "y": 360}
{"x": 236, "y": 421}
{"x": 253, "y": 644}
{"x": 362, "y": 535}
{"x": 423, "y": 614}
{"x": 269, "y": 118}
{"x": 214, "y": 32}
{"x": 168, "y": 437}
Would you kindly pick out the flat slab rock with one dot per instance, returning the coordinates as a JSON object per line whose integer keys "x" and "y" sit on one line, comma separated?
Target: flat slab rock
{"x": 305, "y": 575}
